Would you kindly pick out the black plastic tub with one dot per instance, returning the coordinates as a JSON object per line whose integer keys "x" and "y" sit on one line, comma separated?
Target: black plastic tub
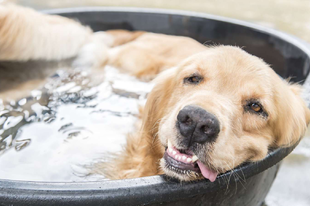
{"x": 248, "y": 185}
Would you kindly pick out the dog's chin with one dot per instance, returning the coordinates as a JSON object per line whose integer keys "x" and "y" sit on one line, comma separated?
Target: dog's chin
{"x": 179, "y": 173}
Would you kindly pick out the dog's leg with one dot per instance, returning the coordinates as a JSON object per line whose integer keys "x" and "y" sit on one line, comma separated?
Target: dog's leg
{"x": 138, "y": 53}
{"x": 98, "y": 51}
{"x": 121, "y": 37}
{"x": 145, "y": 54}
{"x": 136, "y": 61}
{"x": 29, "y": 35}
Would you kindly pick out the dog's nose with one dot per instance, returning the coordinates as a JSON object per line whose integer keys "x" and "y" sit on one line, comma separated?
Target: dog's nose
{"x": 197, "y": 125}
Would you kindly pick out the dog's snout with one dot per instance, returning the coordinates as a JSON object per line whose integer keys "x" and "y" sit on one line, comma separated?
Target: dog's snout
{"x": 197, "y": 125}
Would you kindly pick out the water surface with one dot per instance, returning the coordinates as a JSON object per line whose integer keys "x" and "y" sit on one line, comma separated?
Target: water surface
{"x": 73, "y": 121}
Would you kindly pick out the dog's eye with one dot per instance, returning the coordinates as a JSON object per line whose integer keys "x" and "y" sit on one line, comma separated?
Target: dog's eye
{"x": 195, "y": 79}
{"x": 256, "y": 107}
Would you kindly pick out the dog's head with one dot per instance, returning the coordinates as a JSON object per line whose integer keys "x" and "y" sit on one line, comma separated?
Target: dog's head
{"x": 221, "y": 108}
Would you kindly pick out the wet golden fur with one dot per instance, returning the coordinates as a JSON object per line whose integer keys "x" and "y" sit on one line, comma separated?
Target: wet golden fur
{"x": 231, "y": 77}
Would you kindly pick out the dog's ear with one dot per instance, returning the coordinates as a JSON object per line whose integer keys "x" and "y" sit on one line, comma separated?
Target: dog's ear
{"x": 157, "y": 100}
{"x": 292, "y": 117}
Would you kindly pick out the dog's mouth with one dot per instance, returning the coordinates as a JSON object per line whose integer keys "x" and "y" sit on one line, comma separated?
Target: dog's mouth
{"x": 186, "y": 163}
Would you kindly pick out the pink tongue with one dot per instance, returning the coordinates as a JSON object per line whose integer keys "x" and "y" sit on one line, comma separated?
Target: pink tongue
{"x": 206, "y": 172}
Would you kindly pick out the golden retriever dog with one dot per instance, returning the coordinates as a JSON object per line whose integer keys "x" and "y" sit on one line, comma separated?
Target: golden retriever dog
{"x": 211, "y": 109}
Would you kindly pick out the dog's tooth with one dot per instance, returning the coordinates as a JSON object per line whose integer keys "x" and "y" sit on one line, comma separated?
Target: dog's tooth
{"x": 194, "y": 158}
{"x": 169, "y": 144}
{"x": 170, "y": 150}
{"x": 174, "y": 152}
{"x": 189, "y": 160}
{"x": 184, "y": 158}
{"x": 177, "y": 157}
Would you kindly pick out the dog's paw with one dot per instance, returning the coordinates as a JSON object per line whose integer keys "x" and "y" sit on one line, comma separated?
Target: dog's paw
{"x": 95, "y": 52}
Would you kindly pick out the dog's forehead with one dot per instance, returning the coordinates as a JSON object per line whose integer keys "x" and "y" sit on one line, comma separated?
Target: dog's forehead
{"x": 228, "y": 64}
{"x": 228, "y": 59}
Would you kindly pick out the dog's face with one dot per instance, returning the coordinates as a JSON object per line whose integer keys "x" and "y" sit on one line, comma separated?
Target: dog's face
{"x": 219, "y": 109}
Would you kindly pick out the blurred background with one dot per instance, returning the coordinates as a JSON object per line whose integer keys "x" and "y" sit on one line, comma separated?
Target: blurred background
{"x": 292, "y": 16}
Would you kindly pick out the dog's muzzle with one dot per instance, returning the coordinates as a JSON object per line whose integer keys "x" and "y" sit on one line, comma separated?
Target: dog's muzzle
{"x": 196, "y": 125}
